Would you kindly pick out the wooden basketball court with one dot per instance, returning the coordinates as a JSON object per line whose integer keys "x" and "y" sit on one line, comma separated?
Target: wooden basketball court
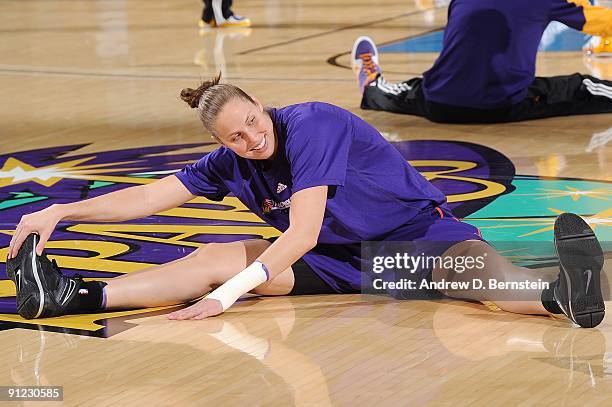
{"x": 90, "y": 103}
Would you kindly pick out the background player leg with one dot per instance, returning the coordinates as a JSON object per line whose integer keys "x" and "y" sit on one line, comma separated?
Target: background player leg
{"x": 216, "y": 12}
{"x": 405, "y": 97}
{"x": 207, "y": 13}
{"x": 568, "y": 95}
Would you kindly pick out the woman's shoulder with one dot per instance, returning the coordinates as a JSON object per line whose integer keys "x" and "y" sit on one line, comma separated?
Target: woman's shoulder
{"x": 219, "y": 153}
{"x": 219, "y": 159}
{"x": 309, "y": 110}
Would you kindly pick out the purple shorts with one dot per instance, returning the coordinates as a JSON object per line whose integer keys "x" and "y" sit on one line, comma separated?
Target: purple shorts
{"x": 432, "y": 232}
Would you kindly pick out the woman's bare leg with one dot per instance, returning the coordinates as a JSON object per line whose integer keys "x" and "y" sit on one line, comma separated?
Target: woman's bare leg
{"x": 192, "y": 276}
{"x": 498, "y": 268}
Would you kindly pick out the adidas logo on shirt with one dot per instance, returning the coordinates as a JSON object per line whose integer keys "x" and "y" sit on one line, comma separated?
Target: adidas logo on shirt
{"x": 280, "y": 188}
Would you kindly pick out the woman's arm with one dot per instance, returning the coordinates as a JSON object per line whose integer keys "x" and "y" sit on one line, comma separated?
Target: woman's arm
{"x": 306, "y": 218}
{"x": 128, "y": 203}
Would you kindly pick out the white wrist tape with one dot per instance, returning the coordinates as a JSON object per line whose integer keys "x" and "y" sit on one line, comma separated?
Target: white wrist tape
{"x": 240, "y": 284}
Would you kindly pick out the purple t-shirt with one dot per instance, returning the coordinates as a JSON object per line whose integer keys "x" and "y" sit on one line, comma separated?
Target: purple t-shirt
{"x": 373, "y": 190}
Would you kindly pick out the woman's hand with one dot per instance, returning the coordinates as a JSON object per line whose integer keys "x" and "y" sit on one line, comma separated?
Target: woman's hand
{"x": 42, "y": 222}
{"x": 206, "y": 307}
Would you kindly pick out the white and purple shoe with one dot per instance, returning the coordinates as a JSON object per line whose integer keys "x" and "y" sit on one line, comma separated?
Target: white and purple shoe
{"x": 364, "y": 60}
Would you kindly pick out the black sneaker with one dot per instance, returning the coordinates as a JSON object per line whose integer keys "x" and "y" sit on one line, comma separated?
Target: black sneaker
{"x": 42, "y": 290}
{"x": 578, "y": 289}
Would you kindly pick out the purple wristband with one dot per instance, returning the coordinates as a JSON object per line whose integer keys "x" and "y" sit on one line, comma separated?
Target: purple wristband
{"x": 263, "y": 266}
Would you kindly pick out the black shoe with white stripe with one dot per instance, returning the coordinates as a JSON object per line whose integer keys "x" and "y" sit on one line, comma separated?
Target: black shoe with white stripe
{"x": 578, "y": 289}
{"x": 42, "y": 290}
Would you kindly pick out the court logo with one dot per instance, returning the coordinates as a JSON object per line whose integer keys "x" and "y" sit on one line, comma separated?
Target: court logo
{"x": 474, "y": 178}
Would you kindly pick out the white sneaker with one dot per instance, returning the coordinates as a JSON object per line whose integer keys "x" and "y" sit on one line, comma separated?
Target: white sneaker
{"x": 236, "y": 21}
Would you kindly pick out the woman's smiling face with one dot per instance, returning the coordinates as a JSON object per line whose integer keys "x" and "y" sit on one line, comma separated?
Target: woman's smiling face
{"x": 246, "y": 129}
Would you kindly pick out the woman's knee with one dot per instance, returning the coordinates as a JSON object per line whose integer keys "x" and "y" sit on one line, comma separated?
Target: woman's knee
{"x": 221, "y": 261}
{"x": 218, "y": 260}
{"x": 207, "y": 249}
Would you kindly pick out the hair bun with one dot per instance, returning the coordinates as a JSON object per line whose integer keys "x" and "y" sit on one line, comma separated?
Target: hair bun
{"x": 192, "y": 96}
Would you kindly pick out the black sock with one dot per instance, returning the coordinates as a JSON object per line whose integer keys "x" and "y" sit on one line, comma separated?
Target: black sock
{"x": 548, "y": 299}
{"x": 89, "y": 298}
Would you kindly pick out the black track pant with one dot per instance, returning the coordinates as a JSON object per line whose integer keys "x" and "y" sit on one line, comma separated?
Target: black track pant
{"x": 216, "y": 9}
{"x": 547, "y": 97}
